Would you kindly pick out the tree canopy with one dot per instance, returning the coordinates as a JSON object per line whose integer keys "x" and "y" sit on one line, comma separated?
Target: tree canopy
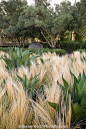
{"x": 9, "y": 12}
{"x": 19, "y": 20}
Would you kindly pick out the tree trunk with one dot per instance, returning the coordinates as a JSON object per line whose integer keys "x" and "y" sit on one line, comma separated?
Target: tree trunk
{"x": 1, "y": 42}
{"x": 53, "y": 46}
{"x": 18, "y": 42}
{"x": 23, "y": 41}
{"x": 71, "y": 36}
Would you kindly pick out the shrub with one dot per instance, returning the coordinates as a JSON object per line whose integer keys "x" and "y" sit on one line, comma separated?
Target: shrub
{"x": 71, "y": 46}
{"x": 38, "y": 50}
{"x": 5, "y": 49}
{"x": 81, "y": 50}
{"x": 84, "y": 45}
{"x": 59, "y": 52}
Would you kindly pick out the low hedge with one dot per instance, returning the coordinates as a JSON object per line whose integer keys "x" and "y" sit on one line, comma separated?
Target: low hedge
{"x": 39, "y": 51}
{"x": 70, "y": 46}
{"x": 5, "y": 49}
{"x": 81, "y": 50}
{"x": 84, "y": 45}
{"x": 59, "y": 52}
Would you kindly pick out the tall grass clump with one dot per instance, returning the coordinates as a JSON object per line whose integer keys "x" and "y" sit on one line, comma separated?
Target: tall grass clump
{"x": 18, "y": 107}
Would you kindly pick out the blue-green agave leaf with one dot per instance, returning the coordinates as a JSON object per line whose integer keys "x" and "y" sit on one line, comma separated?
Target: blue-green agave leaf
{"x": 54, "y": 105}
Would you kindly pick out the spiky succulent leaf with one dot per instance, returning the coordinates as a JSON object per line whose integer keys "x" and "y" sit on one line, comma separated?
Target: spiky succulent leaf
{"x": 83, "y": 103}
{"x": 62, "y": 87}
{"x": 82, "y": 79}
{"x": 33, "y": 58}
{"x": 54, "y": 105}
{"x": 73, "y": 78}
{"x": 42, "y": 61}
{"x": 9, "y": 63}
{"x": 65, "y": 84}
{"x": 19, "y": 58}
{"x": 80, "y": 94}
{"x": 79, "y": 77}
{"x": 77, "y": 113}
{"x": 34, "y": 84}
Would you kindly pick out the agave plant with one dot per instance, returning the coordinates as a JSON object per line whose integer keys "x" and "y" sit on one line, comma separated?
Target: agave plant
{"x": 31, "y": 88}
{"x": 18, "y": 57}
{"x": 3, "y": 82}
{"x": 78, "y": 96}
{"x": 42, "y": 61}
{"x": 72, "y": 59}
{"x": 83, "y": 59}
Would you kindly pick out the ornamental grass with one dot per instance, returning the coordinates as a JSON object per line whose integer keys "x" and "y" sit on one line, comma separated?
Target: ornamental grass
{"x": 18, "y": 110}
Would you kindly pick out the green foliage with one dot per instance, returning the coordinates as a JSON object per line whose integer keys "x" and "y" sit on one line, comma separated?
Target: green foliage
{"x": 10, "y": 12}
{"x": 19, "y": 21}
{"x": 78, "y": 96}
{"x": 65, "y": 36}
{"x": 71, "y": 46}
{"x": 83, "y": 103}
{"x": 81, "y": 50}
{"x": 78, "y": 87}
{"x": 66, "y": 90}
{"x": 59, "y": 52}
{"x": 25, "y": 82}
{"x": 31, "y": 88}
{"x": 49, "y": 22}
{"x": 78, "y": 37}
{"x": 84, "y": 45}
{"x": 73, "y": 60}
{"x": 64, "y": 11}
{"x": 83, "y": 59}
{"x": 54, "y": 105}
{"x": 4, "y": 49}
{"x": 77, "y": 113}
{"x": 3, "y": 82}
{"x": 18, "y": 57}
{"x": 81, "y": 6}
{"x": 42, "y": 61}
{"x": 37, "y": 51}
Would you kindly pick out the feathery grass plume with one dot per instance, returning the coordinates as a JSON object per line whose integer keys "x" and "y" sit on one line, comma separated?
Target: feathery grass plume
{"x": 83, "y": 54}
{"x": 2, "y": 63}
{"x": 43, "y": 72}
{"x": 78, "y": 67}
{"x": 4, "y": 53}
{"x": 45, "y": 56}
{"x": 53, "y": 93}
{"x": 49, "y": 53}
{"x": 42, "y": 116}
{"x": 4, "y": 74}
{"x": 76, "y": 55}
{"x": 12, "y": 103}
{"x": 24, "y": 70}
{"x": 16, "y": 110}
{"x": 15, "y": 106}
